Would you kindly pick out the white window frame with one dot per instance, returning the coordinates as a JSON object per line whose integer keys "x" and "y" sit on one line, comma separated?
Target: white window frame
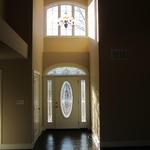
{"x": 83, "y": 101}
{"x": 51, "y": 72}
{"x": 73, "y": 10}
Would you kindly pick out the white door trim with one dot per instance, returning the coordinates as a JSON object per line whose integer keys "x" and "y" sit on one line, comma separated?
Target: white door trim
{"x": 0, "y": 106}
{"x": 52, "y": 125}
{"x": 36, "y": 79}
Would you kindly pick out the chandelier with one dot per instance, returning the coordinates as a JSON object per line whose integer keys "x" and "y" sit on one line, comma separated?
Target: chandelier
{"x": 66, "y": 20}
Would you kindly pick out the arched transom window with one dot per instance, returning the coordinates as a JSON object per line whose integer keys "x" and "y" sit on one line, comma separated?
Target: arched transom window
{"x": 53, "y": 13}
{"x": 66, "y": 71}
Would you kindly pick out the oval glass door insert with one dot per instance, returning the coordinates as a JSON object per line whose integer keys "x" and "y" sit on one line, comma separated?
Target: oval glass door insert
{"x": 66, "y": 99}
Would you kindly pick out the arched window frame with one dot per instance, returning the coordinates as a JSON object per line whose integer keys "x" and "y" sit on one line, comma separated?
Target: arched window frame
{"x": 73, "y": 5}
{"x": 80, "y": 71}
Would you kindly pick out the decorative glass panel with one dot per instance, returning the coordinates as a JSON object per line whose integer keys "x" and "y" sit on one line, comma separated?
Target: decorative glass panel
{"x": 83, "y": 101}
{"x": 66, "y": 99}
{"x": 52, "y": 17}
{"x": 63, "y": 71}
{"x": 66, "y": 9}
{"x": 49, "y": 101}
{"x": 80, "y": 21}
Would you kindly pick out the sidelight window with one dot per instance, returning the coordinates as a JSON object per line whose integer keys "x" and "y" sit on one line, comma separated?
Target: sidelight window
{"x": 49, "y": 101}
{"x": 83, "y": 101}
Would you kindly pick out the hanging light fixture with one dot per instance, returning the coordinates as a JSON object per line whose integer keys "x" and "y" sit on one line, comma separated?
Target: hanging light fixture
{"x": 66, "y": 20}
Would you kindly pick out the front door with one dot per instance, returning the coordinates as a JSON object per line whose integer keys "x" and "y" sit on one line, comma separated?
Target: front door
{"x": 66, "y": 102}
{"x": 65, "y": 105}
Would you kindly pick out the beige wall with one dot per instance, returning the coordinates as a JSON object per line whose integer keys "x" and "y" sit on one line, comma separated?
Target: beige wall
{"x": 16, "y": 85}
{"x": 67, "y": 44}
{"x": 94, "y": 79}
{"x": 83, "y": 2}
{"x": 125, "y": 97}
{"x": 17, "y": 79}
{"x": 52, "y": 58}
{"x": 37, "y": 35}
{"x": 65, "y": 49}
{"x": 94, "y": 87}
{"x": 37, "y": 52}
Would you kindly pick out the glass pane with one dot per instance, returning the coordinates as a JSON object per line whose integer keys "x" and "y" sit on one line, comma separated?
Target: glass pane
{"x": 83, "y": 101}
{"x": 66, "y": 10}
{"x": 91, "y": 20}
{"x": 66, "y": 31}
{"x": 49, "y": 101}
{"x": 52, "y": 18}
{"x": 80, "y": 21}
{"x": 63, "y": 71}
{"x": 66, "y": 99}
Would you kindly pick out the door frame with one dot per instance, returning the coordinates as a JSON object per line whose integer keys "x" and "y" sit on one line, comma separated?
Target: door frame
{"x": 88, "y": 110}
{"x": 0, "y": 107}
{"x": 36, "y": 76}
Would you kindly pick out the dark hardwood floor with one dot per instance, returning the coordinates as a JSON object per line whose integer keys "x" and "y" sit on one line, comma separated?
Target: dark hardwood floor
{"x": 72, "y": 140}
{"x": 128, "y": 148}
{"x": 65, "y": 140}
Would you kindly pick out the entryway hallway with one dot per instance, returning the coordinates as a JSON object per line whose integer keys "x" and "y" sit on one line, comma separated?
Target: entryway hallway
{"x": 71, "y": 139}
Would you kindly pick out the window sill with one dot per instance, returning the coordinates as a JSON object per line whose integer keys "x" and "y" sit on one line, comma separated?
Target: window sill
{"x": 67, "y": 37}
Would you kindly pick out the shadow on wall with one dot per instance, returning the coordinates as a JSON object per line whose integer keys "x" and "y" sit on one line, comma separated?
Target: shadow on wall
{"x": 125, "y": 82}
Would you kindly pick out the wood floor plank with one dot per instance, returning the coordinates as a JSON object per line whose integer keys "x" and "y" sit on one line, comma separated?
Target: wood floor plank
{"x": 65, "y": 140}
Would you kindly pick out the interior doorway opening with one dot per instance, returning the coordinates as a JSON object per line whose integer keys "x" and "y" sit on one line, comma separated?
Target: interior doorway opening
{"x": 66, "y": 98}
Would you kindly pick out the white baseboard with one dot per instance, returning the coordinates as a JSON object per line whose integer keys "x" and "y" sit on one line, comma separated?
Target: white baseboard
{"x": 125, "y": 143}
{"x": 41, "y": 130}
{"x": 96, "y": 141}
{"x": 16, "y": 146}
